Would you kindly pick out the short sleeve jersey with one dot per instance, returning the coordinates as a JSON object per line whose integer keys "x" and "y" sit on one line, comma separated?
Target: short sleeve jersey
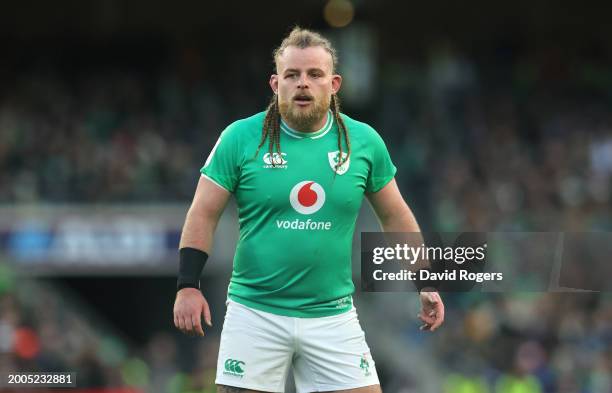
{"x": 297, "y": 218}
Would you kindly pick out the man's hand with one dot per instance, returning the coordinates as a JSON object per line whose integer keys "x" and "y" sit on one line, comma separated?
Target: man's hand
{"x": 188, "y": 309}
{"x": 432, "y": 310}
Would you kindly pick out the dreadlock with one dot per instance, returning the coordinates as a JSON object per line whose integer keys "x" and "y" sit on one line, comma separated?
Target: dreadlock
{"x": 342, "y": 131}
{"x": 302, "y": 38}
{"x": 271, "y": 130}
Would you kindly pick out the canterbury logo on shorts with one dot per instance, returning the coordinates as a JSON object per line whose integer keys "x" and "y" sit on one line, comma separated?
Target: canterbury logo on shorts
{"x": 234, "y": 367}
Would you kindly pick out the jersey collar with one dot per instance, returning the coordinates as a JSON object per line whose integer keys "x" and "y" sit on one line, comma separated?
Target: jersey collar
{"x": 312, "y": 135}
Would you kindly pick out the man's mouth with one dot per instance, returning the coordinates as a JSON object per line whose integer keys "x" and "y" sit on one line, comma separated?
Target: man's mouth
{"x": 303, "y": 100}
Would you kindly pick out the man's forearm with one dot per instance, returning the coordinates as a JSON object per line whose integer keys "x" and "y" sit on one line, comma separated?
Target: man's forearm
{"x": 406, "y": 222}
{"x": 198, "y": 231}
{"x": 402, "y": 222}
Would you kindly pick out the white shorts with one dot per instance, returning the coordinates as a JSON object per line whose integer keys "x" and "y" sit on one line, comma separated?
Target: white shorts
{"x": 328, "y": 353}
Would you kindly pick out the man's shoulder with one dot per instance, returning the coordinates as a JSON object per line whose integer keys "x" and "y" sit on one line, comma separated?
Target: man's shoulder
{"x": 359, "y": 129}
{"x": 246, "y": 126}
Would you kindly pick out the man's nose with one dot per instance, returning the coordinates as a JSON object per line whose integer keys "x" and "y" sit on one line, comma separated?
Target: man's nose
{"x": 302, "y": 82}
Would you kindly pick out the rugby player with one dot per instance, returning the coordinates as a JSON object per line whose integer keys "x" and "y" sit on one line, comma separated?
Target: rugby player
{"x": 298, "y": 172}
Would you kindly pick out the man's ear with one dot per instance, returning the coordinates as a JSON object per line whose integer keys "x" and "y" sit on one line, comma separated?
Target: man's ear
{"x": 274, "y": 83}
{"x": 336, "y": 83}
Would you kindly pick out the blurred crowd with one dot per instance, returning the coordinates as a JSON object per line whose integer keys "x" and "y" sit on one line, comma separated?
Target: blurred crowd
{"x": 517, "y": 143}
{"x": 43, "y": 328}
{"x": 496, "y": 343}
{"x": 527, "y": 343}
{"x": 522, "y": 143}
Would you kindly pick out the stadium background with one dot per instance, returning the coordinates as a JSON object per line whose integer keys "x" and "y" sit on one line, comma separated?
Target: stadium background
{"x": 497, "y": 115}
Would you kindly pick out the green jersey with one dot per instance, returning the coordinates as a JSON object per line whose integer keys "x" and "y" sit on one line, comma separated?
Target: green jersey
{"x": 297, "y": 218}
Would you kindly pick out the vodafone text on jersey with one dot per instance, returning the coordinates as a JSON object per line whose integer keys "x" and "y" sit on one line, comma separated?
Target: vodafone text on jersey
{"x": 306, "y": 197}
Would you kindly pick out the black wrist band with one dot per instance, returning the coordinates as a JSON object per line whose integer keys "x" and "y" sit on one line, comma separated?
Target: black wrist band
{"x": 191, "y": 263}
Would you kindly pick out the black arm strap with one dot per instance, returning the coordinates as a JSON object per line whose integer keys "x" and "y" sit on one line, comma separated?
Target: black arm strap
{"x": 191, "y": 263}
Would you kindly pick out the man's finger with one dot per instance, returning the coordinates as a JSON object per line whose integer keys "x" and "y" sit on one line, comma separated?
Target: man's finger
{"x": 425, "y": 318}
{"x": 197, "y": 325}
{"x": 188, "y": 324}
{"x": 184, "y": 320}
{"x": 181, "y": 324}
{"x": 206, "y": 312}
{"x": 439, "y": 316}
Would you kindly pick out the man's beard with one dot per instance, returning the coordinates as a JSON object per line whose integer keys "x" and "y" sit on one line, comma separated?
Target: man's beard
{"x": 304, "y": 119}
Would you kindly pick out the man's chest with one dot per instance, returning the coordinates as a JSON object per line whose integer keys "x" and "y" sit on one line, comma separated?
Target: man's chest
{"x": 304, "y": 179}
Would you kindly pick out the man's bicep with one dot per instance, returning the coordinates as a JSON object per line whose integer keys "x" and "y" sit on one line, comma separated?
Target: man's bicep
{"x": 387, "y": 201}
{"x": 203, "y": 216}
{"x": 210, "y": 198}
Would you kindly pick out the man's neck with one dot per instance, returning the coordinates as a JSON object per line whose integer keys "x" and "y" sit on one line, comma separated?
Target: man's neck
{"x": 314, "y": 128}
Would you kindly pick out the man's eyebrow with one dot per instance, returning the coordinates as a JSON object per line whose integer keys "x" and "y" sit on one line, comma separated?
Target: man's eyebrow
{"x": 308, "y": 70}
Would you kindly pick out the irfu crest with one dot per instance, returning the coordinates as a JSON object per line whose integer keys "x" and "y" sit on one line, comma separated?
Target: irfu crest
{"x": 333, "y": 157}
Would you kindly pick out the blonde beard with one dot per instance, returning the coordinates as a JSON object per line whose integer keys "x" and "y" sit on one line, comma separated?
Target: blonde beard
{"x": 304, "y": 121}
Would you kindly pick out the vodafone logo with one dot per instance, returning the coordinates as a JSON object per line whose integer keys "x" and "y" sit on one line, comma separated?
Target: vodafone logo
{"x": 307, "y": 197}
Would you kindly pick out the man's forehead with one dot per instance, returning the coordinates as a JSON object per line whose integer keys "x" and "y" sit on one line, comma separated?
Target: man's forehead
{"x": 304, "y": 58}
